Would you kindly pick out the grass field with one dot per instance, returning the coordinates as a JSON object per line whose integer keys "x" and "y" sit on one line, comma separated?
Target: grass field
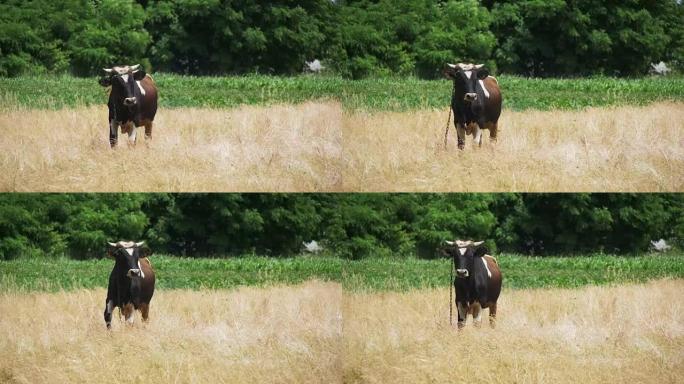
{"x": 318, "y": 147}
{"x": 608, "y": 334}
{"x": 398, "y": 94}
{"x": 368, "y": 275}
{"x": 282, "y": 334}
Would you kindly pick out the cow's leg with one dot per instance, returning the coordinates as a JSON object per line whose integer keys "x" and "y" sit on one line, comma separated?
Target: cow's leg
{"x": 492, "y": 315}
{"x": 477, "y": 314}
{"x": 477, "y": 135}
{"x": 462, "y": 314}
{"x": 145, "y": 310}
{"x": 109, "y": 307}
{"x": 492, "y": 132}
{"x": 131, "y": 133}
{"x": 460, "y": 133}
{"x": 113, "y": 132}
{"x": 148, "y": 131}
{"x": 128, "y": 312}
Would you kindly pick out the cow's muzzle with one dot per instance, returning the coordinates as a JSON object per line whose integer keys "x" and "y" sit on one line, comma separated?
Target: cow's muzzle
{"x": 462, "y": 273}
{"x": 130, "y": 101}
{"x": 134, "y": 273}
{"x": 470, "y": 97}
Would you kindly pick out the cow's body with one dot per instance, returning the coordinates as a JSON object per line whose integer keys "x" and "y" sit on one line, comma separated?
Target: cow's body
{"x": 476, "y": 101}
{"x": 131, "y": 282}
{"x": 477, "y": 283}
{"x": 132, "y": 102}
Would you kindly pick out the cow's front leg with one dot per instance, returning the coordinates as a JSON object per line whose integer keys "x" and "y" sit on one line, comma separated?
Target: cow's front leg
{"x": 461, "y": 133}
{"x": 128, "y": 313}
{"x": 477, "y": 314}
{"x": 109, "y": 307}
{"x": 462, "y": 314}
{"x": 131, "y": 133}
{"x": 113, "y": 132}
{"x": 477, "y": 135}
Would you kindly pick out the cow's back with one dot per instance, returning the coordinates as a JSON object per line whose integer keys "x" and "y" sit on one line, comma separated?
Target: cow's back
{"x": 148, "y": 107}
{"x": 493, "y": 103}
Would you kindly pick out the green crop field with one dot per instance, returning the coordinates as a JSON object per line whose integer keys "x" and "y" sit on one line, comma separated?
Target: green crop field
{"x": 395, "y": 94}
{"x": 374, "y": 274}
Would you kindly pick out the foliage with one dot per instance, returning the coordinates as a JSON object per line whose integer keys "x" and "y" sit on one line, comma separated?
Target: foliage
{"x": 367, "y": 94}
{"x": 353, "y": 226}
{"x": 355, "y": 38}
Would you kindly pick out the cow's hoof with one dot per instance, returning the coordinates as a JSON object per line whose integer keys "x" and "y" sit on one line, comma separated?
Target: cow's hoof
{"x": 461, "y": 146}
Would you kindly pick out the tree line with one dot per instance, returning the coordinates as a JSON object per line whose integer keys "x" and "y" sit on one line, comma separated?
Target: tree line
{"x": 352, "y": 226}
{"x": 352, "y": 38}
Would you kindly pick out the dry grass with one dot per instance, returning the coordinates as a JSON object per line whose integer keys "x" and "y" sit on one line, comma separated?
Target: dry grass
{"x": 319, "y": 147}
{"x": 598, "y": 149}
{"x": 623, "y": 334}
{"x": 251, "y": 335}
{"x": 278, "y": 148}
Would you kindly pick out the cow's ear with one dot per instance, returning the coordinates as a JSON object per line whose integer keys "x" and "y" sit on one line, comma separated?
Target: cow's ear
{"x": 146, "y": 251}
{"x": 480, "y": 251}
{"x": 449, "y": 71}
{"x": 105, "y": 81}
{"x": 482, "y": 73}
{"x": 139, "y": 75}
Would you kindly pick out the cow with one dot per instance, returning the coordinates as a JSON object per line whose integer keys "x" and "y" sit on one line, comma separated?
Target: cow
{"x": 475, "y": 100}
{"x": 478, "y": 280}
{"x": 132, "y": 101}
{"x": 131, "y": 283}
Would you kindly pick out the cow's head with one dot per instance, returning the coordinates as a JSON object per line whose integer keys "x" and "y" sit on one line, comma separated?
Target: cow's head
{"x": 122, "y": 80}
{"x": 466, "y": 77}
{"x": 464, "y": 254}
{"x": 128, "y": 254}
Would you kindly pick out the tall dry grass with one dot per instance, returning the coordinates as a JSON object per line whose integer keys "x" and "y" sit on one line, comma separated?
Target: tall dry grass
{"x": 621, "y": 334}
{"x": 278, "y": 148}
{"x": 597, "y": 149}
{"x": 250, "y": 335}
{"x": 319, "y": 147}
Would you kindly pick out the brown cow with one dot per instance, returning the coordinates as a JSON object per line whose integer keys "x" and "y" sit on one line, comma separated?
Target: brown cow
{"x": 131, "y": 283}
{"x": 476, "y": 101}
{"x": 132, "y": 101}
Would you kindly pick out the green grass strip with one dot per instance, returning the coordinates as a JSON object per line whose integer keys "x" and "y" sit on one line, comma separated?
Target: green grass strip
{"x": 368, "y": 275}
{"x": 392, "y": 94}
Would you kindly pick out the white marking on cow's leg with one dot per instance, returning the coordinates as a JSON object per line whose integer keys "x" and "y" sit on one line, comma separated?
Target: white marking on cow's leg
{"x": 108, "y": 313}
{"x": 113, "y": 132}
{"x": 462, "y": 314}
{"x": 131, "y": 134}
{"x": 130, "y": 318}
{"x": 489, "y": 273}
{"x": 468, "y": 74}
{"x": 142, "y": 91}
{"x": 477, "y": 314}
{"x": 484, "y": 89}
{"x": 477, "y": 135}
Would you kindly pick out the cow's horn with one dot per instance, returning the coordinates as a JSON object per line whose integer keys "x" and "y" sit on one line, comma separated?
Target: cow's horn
{"x": 140, "y": 244}
{"x": 134, "y": 68}
{"x": 451, "y": 65}
{"x": 112, "y": 244}
{"x": 108, "y": 70}
{"x": 477, "y": 243}
{"x": 449, "y": 242}
{"x": 478, "y": 66}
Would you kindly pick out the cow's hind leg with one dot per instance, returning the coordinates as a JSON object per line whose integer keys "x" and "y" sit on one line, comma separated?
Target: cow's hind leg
{"x": 477, "y": 135}
{"x": 109, "y": 307}
{"x": 131, "y": 128}
{"x": 492, "y": 132}
{"x": 492, "y": 315}
{"x": 145, "y": 310}
{"x": 477, "y": 315}
{"x": 148, "y": 131}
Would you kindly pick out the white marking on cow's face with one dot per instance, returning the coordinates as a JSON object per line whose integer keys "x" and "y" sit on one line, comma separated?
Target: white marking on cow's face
{"x": 468, "y": 74}
{"x": 142, "y": 91}
{"x": 125, "y": 78}
{"x": 484, "y": 89}
{"x": 489, "y": 273}
{"x": 130, "y": 251}
{"x": 462, "y": 250}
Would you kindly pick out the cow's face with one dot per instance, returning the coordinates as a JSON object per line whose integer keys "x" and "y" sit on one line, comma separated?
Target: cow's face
{"x": 123, "y": 82}
{"x": 464, "y": 256}
{"x": 467, "y": 77}
{"x": 128, "y": 254}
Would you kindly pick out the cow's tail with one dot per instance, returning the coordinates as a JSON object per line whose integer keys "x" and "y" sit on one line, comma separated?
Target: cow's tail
{"x": 446, "y": 131}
